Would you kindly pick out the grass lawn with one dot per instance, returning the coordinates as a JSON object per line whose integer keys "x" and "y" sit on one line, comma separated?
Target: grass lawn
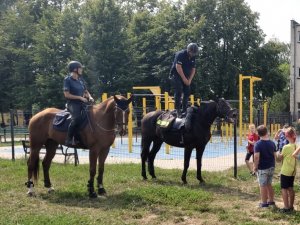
{"x": 130, "y": 200}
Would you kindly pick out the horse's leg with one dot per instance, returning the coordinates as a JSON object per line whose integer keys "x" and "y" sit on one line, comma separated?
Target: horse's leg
{"x": 152, "y": 154}
{"x": 187, "y": 157}
{"x": 146, "y": 142}
{"x": 93, "y": 164}
{"x": 101, "y": 159}
{"x": 199, "y": 154}
{"x": 33, "y": 168}
{"x": 51, "y": 147}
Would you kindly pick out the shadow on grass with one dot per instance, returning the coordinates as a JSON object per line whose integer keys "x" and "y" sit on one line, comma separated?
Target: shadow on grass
{"x": 123, "y": 200}
{"x": 157, "y": 192}
{"x": 210, "y": 187}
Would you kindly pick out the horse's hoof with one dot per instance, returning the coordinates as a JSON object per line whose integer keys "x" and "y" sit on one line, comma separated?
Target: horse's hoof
{"x": 30, "y": 194}
{"x": 183, "y": 180}
{"x": 93, "y": 195}
{"x": 153, "y": 177}
{"x": 202, "y": 182}
{"x": 51, "y": 190}
{"x": 101, "y": 191}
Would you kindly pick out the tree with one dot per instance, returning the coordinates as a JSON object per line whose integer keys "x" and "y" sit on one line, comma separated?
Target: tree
{"x": 154, "y": 37}
{"x": 103, "y": 46}
{"x": 17, "y": 28}
{"x": 56, "y": 38}
{"x": 228, "y": 37}
{"x": 271, "y": 65}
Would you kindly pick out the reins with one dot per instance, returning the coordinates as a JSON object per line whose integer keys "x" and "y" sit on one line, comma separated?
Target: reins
{"x": 115, "y": 117}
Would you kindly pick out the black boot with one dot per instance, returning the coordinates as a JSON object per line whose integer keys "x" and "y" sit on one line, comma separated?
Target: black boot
{"x": 188, "y": 119}
{"x": 71, "y": 131}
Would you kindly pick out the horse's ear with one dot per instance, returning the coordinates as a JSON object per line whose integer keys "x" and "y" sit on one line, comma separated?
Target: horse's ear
{"x": 116, "y": 99}
{"x": 130, "y": 99}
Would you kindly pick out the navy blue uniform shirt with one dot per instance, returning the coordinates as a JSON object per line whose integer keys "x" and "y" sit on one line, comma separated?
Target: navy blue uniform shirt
{"x": 182, "y": 58}
{"x": 74, "y": 87}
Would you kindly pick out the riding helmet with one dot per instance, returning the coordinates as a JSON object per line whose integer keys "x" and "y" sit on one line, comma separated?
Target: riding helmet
{"x": 74, "y": 65}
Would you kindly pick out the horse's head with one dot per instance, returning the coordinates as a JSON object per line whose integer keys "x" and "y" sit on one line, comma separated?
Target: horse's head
{"x": 224, "y": 110}
{"x": 121, "y": 113}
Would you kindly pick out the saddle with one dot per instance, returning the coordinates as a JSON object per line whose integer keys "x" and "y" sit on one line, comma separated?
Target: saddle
{"x": 169, "y": 122}
{"x": 62, "y": 121}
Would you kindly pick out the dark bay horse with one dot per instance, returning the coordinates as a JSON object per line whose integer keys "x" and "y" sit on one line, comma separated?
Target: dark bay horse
{"x": 97, "y": 136}
{"x": 197, "y": 137}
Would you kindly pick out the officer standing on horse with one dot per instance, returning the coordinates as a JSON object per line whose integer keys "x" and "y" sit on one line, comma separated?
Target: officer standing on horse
{"x": 182, "y": 73}
{"x": 76, "y": 93}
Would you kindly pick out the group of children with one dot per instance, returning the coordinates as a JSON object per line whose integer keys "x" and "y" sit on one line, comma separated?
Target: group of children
{"x": 265, "y": 153}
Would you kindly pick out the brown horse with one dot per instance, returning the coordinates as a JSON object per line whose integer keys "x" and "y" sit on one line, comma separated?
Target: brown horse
{"x": 97, "y": 136}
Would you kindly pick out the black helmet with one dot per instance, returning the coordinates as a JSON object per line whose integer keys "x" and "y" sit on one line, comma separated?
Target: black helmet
{"x": 74, "y": 65}
{"x": 193, "y": 49}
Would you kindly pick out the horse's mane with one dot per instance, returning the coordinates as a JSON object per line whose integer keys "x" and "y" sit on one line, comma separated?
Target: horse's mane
{"x": 205, "y": 105}
{"x": 204, "y": 112}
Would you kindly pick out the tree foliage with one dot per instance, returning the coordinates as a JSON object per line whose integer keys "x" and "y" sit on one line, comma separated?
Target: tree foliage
{"x": 132, "y": 42}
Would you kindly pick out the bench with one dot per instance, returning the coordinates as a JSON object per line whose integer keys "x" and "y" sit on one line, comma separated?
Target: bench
{"x": 60, "y": 151}
{"x": 19, "y": 133}
{"x": 4, "y": 138}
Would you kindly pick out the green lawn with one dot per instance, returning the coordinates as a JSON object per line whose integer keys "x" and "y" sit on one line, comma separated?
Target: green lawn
{"x": 130, "y": 200}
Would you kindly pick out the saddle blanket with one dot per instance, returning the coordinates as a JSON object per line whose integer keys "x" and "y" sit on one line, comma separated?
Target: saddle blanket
{"x": 62, "y": 121}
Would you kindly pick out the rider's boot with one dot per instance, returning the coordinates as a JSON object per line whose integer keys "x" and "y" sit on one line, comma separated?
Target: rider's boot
{"x": 71, "y": 131}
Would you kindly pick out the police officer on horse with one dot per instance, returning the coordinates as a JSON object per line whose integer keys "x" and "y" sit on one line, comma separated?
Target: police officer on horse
{"x": 76, "y": 93}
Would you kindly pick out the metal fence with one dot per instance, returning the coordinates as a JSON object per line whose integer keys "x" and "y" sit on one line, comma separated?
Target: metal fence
{"x": 218, "y": 155}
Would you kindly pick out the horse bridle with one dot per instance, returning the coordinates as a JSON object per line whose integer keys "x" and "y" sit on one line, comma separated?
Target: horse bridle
{"x": 226, "y": 112}
{"x": 117, "y": 123}
{"x": 123, "y": 124}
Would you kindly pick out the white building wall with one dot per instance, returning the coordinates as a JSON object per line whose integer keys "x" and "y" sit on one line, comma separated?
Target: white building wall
{"x": 295, "y": 70}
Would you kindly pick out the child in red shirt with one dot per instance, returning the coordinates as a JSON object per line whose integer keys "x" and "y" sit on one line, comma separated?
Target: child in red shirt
{"x": 252, "y": 139}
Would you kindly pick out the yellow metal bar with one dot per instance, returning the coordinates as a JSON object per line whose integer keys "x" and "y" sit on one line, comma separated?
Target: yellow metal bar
{"x": 154, "y": 89}
{"x": 251, "y": 102}
{"x": 192, "y": 100}
{"x": 144, "y": 106}
{"x": 171, "y": 103}
{"x": 271, "y": 130}
{"x": 104, "y": 97}
{"x": 157, "y": 103}
{"x": 265, "y": 112}
{"x": 166, "y": 100}
{"x": 166, "y": 108}
{"x": 252, "y": 80}
{"x": 227, "y": 131}
{"x": 240, "y": 108}
{"x": 130, "y": 131}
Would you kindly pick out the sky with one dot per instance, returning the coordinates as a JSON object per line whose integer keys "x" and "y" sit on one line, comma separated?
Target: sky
{"x": 275, "y": 17}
